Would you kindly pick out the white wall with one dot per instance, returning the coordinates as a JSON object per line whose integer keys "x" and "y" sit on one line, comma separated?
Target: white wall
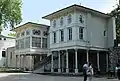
{"x": 4, "y": 44}
{"x": 94, "y": 27}
{"x": 11, "y": 62}
{"x": 97, "y": 28}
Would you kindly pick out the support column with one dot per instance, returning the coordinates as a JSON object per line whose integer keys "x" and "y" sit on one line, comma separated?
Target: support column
{"x": 30, "y": 42}
{"x": 16, "y": 61}
{"x": 87, "y": 55}
{"x": 59, "y": 69}
{"x": 63, "y": 63}
{"x": 98, "y": 63}
{"x": 30, "y": 62}
{"x": 51, "y": 62}
{"x": 24, "y": 62}
{"x": 107, "y": 62}
{"x": 20, "y": 61}
{"x": 76, "y": 62}
{"x": 40, "y": 57}
{"x": 67, "y": 70}
{"x": 41, "y": 42}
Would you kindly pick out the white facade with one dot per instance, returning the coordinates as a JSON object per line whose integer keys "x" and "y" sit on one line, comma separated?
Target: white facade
{"x": 5, "y": 42}
{"x": 31, "y": 44}
{"x": 10, "y": 57}
{"x": 80, "y": 32}
{"x": 95, "y": 25}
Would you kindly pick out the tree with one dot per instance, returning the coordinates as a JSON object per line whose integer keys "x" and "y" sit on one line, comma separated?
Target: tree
{"x": 116, "y": 13}
{"x": 114, "y": 55}
{"x": 10, "y": 13}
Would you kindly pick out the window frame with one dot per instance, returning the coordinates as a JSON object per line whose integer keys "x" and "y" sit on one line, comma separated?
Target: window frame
{"x": 36, "y": 42}
{"x": 81, "y": 18}
{"x": 23, "y": 34}
{"x": 3, "y": 53}
{"x": 69, "y": 19}
{"x": 36, "y": 32}
{"x": 61, "y": 35}
{"x": 27, "y": 32}
{"x": 61, "y": 21}
{"x": 54, "y": 37}
{"x": 44, "y": 42}
{"x": 81, "y": 33}
{"x": 104, "y": 33}
{"x": 11, "y": 53}
{"x": 70, "y": 33}
{"x": 54, "y": 23}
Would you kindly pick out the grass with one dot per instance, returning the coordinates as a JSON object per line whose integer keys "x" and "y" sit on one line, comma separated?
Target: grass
{"x": 6, "y": 70}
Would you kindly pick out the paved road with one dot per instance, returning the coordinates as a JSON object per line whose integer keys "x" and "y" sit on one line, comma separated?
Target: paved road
{"x": 36, "y": 77}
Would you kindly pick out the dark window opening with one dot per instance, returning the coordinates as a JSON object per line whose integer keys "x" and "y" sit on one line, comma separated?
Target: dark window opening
{"x": 3, "y": 54}
{"x": 104, "y": 33}
{"x": 69, "y": 33}
{"x": 4, "y": 38}
{"x": 11, "y": 55}
{"x": 62, "y": 35}
{"x": 54, "y": 37}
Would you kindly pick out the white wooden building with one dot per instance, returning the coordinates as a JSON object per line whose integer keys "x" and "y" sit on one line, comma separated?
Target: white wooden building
{"x": 5, "y": 42}
{"x": 79, "y": 34}
{"x": 31, "y": 44}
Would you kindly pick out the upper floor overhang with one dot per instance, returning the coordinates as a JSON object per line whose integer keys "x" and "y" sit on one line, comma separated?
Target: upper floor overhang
{"x": 29, "y": 24}
{"x": 73, "y": 8}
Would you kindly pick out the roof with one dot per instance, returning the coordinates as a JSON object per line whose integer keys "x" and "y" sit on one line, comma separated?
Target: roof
{"x": 76, "y": 6}
{"x": 30, "y": 23}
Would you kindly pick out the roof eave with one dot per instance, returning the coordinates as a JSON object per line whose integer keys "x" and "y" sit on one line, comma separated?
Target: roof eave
{"x": 82, "y": 7}
{"x": 15, "y": 29}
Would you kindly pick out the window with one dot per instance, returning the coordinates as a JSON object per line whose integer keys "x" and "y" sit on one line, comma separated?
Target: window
{"x": 69, "y": 33}
{"x": 61, "y": 21}
{"x": 44, "y": 33}
{"x": 3, "y": 54}
{"x": 54, "y": 37}
{"x": 44, "y": 42}
{"x": 27, "y": 32}
{"x": 54, "y": 23}
{"x": 4, "y": 38}
{"x": 36, "y": 42}
{"x": 17, "y": 44}
{"x": 81, "y": 33}
{"x": 10, "y": 55}
{"x": 104, "y": 33}
{"x": 36, "y": 32}
{"x": 27, "y": 42}
{"x": 69, "y": 19}
{"x": 23, "y": 33}
{"x": 21, "y": 43}
{"x": 81, "y": 19}
{"x": 18, "y": 35}
{"x": 62, "y": 35}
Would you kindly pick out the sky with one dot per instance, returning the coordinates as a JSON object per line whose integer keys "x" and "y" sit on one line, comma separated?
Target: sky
{"x": 34, "y": 10}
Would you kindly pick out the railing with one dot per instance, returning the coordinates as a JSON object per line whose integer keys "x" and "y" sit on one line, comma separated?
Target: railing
{"x": 44, "y": 63}
{"x": 41, "y": 63}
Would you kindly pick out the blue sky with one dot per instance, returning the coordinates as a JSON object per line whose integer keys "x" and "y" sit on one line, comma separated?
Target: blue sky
{"x": 33, "y": 10}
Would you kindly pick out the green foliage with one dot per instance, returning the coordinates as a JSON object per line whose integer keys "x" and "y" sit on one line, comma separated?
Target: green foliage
{"x": 116, "y": 14}
{"x": 12, "y": 34}
{"x": 10, "y": 13}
